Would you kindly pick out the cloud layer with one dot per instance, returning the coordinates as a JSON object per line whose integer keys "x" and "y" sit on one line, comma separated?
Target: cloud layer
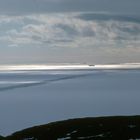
{"x": 91, "y": 35}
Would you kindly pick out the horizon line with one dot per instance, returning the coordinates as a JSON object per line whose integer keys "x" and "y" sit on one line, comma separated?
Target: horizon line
{"x": 68, "y": 66}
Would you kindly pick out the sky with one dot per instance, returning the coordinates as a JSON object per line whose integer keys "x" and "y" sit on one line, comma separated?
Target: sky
{"x": 69, "y": 31}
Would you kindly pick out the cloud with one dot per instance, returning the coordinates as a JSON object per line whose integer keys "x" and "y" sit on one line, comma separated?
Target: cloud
{"x": 107, "y": 17}
{"x": 91, "y": 35}
{"x": 66, "y": 28}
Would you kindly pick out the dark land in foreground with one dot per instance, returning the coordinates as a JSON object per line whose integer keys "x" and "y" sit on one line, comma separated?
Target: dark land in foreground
{"x": 100, "y": 128}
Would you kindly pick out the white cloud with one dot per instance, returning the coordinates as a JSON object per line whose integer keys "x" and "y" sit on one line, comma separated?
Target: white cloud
{"x": 106, "y": 37}
{"x": 64, "y": 27}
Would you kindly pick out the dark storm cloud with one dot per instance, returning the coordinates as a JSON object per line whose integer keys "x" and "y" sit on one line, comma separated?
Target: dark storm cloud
{"x": 105, "y": 17}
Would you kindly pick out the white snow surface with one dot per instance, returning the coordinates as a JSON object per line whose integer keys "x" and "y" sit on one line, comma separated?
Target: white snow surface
{"x": 34, "y": 97}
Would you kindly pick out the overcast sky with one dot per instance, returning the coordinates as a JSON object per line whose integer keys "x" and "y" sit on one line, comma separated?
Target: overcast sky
{"x": 35, "y": 6}
{"x": 69, "y": 31}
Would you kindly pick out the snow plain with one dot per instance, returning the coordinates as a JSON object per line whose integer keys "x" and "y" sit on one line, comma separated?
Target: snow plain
{"x": 35, "y": 96}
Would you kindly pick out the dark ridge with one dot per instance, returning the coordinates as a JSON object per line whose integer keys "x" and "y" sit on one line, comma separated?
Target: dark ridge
{"x": 100, "y": 128}
{"x": 1, "y": 137}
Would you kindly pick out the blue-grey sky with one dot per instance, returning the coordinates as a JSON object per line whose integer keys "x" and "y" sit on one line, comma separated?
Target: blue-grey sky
{"x": 69, "y": 31}
{"x": 35, "y": 6}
